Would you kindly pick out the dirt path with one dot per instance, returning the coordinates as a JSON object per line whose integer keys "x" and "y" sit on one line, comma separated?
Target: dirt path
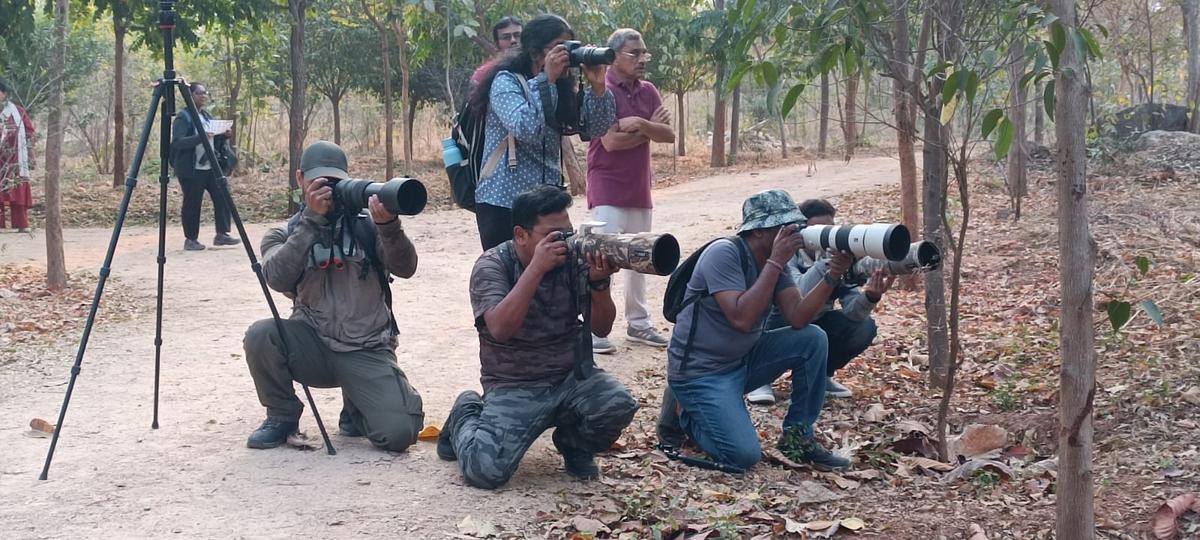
{"x": 114, "y": 476}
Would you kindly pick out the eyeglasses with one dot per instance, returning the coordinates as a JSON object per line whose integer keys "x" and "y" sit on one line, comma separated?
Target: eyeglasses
{"x": 639, "y": 55}
{"x": 200, "y": 93}
{"x": 513, "y": 36}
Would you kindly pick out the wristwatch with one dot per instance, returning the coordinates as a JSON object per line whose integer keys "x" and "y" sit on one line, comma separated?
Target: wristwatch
{"x": 828, "y": 278}
{"x": 600, "y": 284}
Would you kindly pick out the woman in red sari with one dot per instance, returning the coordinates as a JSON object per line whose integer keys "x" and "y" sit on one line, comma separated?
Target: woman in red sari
{"x": 16, "y": 160}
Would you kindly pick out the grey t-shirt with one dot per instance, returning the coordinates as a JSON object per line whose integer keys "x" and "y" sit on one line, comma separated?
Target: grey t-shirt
{"x": 717, "y": 346}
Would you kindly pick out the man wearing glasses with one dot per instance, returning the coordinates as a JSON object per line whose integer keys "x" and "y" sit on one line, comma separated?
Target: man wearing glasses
{"x": 618, "y": 176}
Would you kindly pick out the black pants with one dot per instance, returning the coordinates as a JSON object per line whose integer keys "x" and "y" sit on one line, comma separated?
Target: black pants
{"x": 193, "y": 199}
{"x": 495, "y": 225}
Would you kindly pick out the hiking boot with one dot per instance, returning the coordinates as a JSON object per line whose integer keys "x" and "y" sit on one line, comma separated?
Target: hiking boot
{"x": 803, "y": 448}
{"x": 223, "y": 239}
{"x": 762, "y": 395}
{"x": 578, "y": 463}
{"x": 835, "y": 389}
{"x": 465, "y": 401}
{"x": 648, "y": 336}
{"x": 192, "y": 245}
{"x": 348, "y": 424}
{"x": 272, "y": 433}
{"x": 601, "y": 345}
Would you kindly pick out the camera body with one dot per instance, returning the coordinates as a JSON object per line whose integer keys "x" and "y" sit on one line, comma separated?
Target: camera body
{"x": 587, "y": 55}
{"x": 401, "y": 196}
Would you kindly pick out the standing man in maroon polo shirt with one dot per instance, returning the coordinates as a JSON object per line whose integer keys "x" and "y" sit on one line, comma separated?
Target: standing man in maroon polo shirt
{"x": 618, "y": 175}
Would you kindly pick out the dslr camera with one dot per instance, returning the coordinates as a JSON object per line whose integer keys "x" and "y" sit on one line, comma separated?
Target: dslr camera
{"x": 401, "y": 196}
{"x": 587, "y": 55}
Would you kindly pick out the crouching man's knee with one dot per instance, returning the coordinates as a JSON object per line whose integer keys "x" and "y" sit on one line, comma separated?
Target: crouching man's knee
{"x": 397, "y": 433}
{"x": 743, "y": 456}
{"x": 260, "y": 339}
{"x": 485, "y": 476}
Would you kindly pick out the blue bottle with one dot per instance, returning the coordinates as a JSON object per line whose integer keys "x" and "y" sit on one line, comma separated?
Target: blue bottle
{"x": 450, "y": 152}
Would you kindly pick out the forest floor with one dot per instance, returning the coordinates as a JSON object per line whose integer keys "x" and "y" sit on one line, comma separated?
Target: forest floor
{"x": 114, "y": 476}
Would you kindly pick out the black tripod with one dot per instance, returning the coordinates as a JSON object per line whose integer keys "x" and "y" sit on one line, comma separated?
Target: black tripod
{"x": 164, "y": 94}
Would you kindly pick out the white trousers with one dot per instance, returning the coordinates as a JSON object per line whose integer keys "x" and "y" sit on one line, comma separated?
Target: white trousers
{"x": 629, "y": 220}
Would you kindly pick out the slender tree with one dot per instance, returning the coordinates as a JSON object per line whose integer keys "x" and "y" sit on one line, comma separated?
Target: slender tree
{"x": 56, "y": 266}
{"x": 1016, "y": 99}
{"x": 1076, "y": 518}
{"x": 299, "y": 89}
{"x": 823, "y": 122}
{"x": 717, "y": 156}
{"x": 1191, "y": 27}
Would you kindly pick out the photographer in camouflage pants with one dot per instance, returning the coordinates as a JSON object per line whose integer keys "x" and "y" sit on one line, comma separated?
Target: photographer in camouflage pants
{"x": 528, "y": 295}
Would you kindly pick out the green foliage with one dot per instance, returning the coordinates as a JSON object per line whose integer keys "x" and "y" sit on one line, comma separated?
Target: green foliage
{"x": 29, "y": 71}
{"x": 1006, "y": 397}
{"x": 1120, "y": 311}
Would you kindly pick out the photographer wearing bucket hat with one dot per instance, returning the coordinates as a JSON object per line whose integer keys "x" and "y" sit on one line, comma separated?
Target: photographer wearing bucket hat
{"x": 730, "y": 353}
{"x": 336, "y": 269}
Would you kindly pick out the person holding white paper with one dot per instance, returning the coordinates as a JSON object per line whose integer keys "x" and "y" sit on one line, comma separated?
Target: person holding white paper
{"x": 195, "y": 172}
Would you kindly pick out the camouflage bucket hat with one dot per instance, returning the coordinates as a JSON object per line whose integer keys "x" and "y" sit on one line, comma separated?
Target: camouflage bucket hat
{"x": 767, "y": 209}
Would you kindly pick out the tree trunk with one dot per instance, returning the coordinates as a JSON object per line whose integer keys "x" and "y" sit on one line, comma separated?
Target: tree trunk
{"x": 1153, "y": 84}
{"x": 410, "y": 116}
{"x": 405, "y": 96}
{"x": 56, "y": 266}
{"x": 735, "y": 123}
{"x": 118, "y": 169}
{"x": 1191, "y": 23}
{"x": 1039, "y": 116}
{"x": 681, "y": 116}
{"x": 296, "y": 12}
{"x": 823, "y": 131}
{"x": 389, "y": 123}
{"x": 717, "y": 156}
{"x": 904, "y": 93}
{"x": 1016, "y": 114}
{"x": 337, "y": 120}
{"x": 850, "y": 116}
{"x": 1076, "y": 517}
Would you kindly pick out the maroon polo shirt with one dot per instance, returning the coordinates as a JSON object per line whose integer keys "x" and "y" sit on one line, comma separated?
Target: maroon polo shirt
{"x": 622, "y": 178}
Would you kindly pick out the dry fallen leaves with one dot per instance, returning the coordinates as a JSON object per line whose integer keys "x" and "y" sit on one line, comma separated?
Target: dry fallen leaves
{"x": 1164, "y": 521}
{"x": 429, "y": 434}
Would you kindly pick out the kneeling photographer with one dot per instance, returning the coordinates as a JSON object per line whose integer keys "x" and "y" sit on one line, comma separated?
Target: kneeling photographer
{"x": 529, "y": 100}
{"x": 850, "y": 329}
{"x": 335, "y": 265}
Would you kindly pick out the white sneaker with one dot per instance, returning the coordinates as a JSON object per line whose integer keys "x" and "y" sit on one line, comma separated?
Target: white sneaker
{"x": 762, "y": 395}
{"x": 601, "y": 345}
{"x": 647, "y": 336}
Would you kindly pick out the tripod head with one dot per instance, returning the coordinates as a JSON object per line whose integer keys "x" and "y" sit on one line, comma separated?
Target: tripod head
{"x": 166, "y": 24}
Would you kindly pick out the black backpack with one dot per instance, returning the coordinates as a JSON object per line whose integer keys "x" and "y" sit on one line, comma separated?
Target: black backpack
{"x": 468, "y": 134}
{"x": 675, "y": 298}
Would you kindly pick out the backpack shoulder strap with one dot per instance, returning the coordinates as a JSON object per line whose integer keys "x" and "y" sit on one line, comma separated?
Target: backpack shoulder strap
{"x": 509, "y": 144}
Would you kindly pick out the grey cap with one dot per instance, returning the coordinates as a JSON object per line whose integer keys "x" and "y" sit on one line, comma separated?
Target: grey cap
{"x": 770, "y": 208}
{"x": 324, "y": 159}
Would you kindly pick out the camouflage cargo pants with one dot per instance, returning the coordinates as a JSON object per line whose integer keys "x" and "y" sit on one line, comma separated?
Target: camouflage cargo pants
{"x": 491, "y": 434}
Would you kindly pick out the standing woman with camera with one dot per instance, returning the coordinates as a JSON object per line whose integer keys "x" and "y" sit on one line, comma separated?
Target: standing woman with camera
{"x": 530, "y": 99}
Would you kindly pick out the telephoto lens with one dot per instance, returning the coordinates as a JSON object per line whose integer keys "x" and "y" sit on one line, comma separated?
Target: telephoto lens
{"x": 587, "y": 55}
{"x": 645, "y": 253}
{"x": 879, "y": 240}
{"x": 922, "y": 256}
{"x": 402, "y": 196}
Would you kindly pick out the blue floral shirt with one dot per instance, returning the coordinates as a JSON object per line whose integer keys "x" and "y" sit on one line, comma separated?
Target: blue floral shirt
{"x": 511, "y": 110}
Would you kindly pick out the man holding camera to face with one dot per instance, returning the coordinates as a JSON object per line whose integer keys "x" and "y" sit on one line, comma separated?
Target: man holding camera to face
{"x": 719, "y": 348}
{"x": 335, "y": 264}
{"x": 851, "y": 328}
{"x": 528, "y": 295}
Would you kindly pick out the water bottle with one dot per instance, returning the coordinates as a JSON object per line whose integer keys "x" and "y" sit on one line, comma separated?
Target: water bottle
{"x": 451, "y": 155}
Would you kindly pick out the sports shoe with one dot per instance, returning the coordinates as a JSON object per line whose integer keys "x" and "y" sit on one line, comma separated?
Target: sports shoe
{"x": 648, "y": 336}
{"x": 835, "y": 389}
{"x": 803, "y": 448}
{"x": 578, "y": 464}
{"x": 445, "y": 443}
{"x": 762, "y": 395}
{"x": 223, "y": 239}
{"x": 23, "y": 230}
{"x": 192, "y": 245}
{"x": 601, "y": 345}
{"x": 272, "y": 433}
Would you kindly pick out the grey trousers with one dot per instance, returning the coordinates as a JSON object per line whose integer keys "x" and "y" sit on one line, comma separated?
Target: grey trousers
{"x": 377, "y": 394}
{"x": 492, "y": 433}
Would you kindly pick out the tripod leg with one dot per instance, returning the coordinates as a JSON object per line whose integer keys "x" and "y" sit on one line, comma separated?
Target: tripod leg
{"x": 130, "y": 184}
{"x": 223, "y": 192}
{"x": 164, "y": 154}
